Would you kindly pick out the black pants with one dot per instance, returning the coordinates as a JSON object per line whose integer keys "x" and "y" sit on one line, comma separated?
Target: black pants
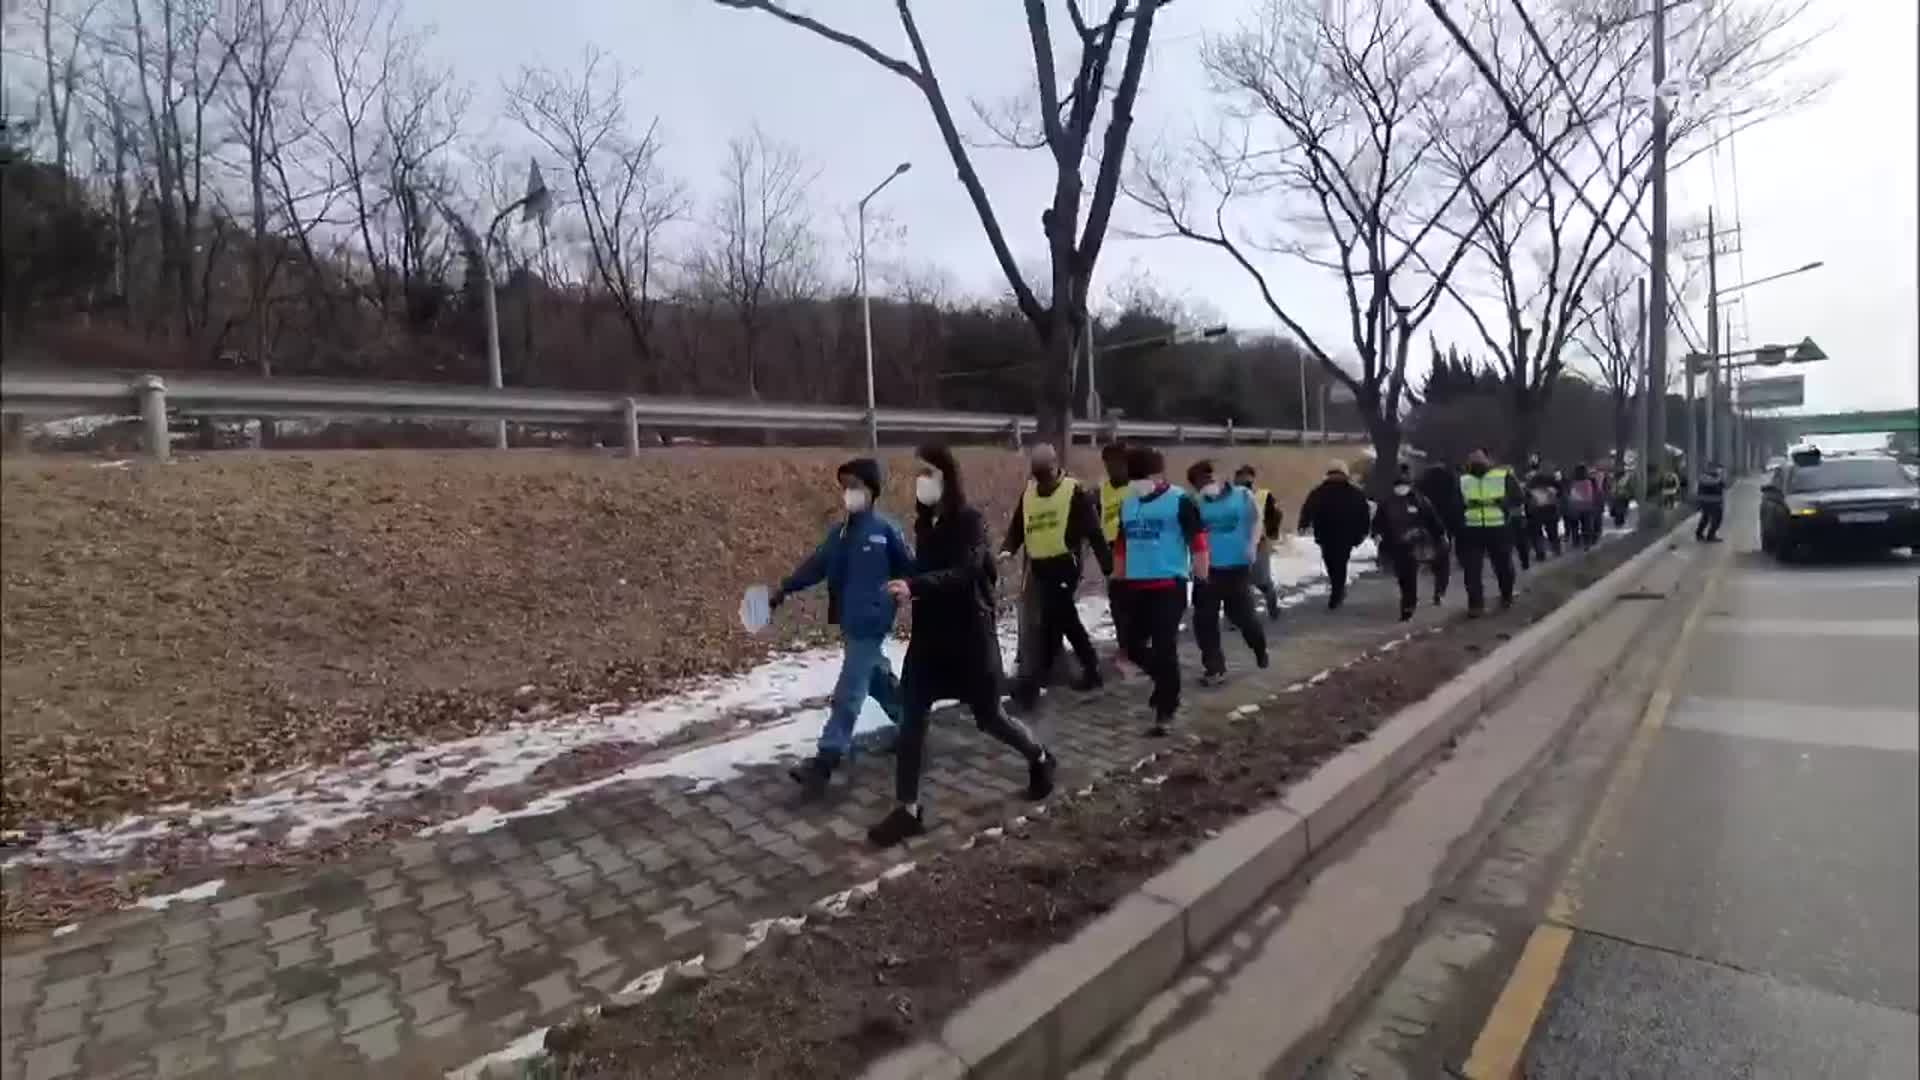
{"x": 1477, "y": 545}
{"x": 1711, "y": 514}
{"x": 1519, "y": 542}
{"x": 1334, "y": 558}
{"x": 1442, "y": 567}
{"x": 1619, "y": 509}
{"x": 1231, "y": 587}
{"x": 1058, "y": 588}
{"x": 909, "y": 747}
{"x": 1406, "y": 571}
{"x": 1153, "y": 640}
{"x": 1543, "y": 532}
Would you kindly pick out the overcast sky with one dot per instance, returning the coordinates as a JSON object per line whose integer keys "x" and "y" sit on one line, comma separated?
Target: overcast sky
{"x": 1835, "y": 181}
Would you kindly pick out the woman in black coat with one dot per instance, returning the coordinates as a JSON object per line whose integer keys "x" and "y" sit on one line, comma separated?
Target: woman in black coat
{"x": 954, "y": 651}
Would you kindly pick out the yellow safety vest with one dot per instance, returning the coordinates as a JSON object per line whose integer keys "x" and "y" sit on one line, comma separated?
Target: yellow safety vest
{"x": 1483, "y": 496}
{"x": 1111, "y": 496}
{"x": 1044, "y": 519}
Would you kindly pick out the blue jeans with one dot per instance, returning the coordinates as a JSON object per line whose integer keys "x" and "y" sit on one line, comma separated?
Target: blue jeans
{"x": 865, "y": 672}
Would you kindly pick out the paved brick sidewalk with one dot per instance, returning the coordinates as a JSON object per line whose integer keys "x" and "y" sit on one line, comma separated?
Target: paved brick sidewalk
{"x": 418, "y": 959}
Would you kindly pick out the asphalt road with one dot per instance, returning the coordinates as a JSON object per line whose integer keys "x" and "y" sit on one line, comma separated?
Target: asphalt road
{"x": 1753, "y": 907}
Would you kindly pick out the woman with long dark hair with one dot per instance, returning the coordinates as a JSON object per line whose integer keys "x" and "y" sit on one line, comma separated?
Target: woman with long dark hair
{"x": 955, "y": 648}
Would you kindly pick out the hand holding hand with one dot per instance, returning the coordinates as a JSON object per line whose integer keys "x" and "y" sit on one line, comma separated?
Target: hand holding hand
{"x": 899, "y": 590}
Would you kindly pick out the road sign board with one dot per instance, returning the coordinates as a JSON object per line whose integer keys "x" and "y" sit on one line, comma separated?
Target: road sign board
{"x": 1780, "y": 392}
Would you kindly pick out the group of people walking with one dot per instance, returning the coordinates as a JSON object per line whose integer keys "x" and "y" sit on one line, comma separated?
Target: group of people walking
{"x": 1159, "y": 545}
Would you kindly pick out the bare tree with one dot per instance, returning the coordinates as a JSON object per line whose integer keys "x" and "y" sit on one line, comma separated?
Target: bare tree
{"x": 62, "y": 30}
{"x": 261, "y": 36}
{"x": 1065, "y": 114}
{"x": 621, "y": 194}
{"x": 1610, "y": 335}
{"x": 1557, "y": 217}
{"x": 1341, "y": 112}
{"x": 763, "y": 249}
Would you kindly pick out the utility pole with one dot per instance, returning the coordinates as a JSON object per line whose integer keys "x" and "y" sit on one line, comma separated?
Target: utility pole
{"x": 1642, "y": 434}
{"x": 1657, "y": 322}
{"x": 1710, "y": 446}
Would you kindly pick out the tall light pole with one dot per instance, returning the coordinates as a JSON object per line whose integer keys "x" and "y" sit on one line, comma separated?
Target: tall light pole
{"x": 866, "y": 305}
{"x": 1717, "y": 343}
{"x": 1657, "y": 315}
{"x": 534, "y": 203}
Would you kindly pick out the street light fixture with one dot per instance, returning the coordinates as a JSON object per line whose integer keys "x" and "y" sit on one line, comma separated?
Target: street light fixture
{"x": 535, "y": 203}
{"x": 866, "y": 306}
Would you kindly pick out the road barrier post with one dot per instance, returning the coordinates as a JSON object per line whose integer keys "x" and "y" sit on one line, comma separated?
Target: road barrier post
{"x": 153, "y": 416}
{"x": 630, "y": 428}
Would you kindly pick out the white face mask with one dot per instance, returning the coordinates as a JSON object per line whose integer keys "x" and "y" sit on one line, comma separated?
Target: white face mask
{"x": 1402, "y": 489}
{"x": 1143, "y": 488}
{"x": 1211, "y": 490}
{"x": 856, "y": 499}
{"x": 928, "y": 489}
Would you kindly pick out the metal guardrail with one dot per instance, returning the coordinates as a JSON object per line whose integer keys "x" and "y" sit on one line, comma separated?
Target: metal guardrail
{"x": 152, "y": 397}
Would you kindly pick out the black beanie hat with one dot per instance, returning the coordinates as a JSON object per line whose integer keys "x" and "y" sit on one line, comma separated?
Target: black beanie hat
{"x": 866, "y": 470}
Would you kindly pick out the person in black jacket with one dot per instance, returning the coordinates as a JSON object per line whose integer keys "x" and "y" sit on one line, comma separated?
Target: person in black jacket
{"x": 1064, "y": 520}
{"x": 1441, "y": 486}
{"x": 954, "y": 651}
{"x": 1408, "y": 529}
{"x": 1337, "y": 513}
{"x": 1546, "y": 494}
{"x": 1711, "y": 495}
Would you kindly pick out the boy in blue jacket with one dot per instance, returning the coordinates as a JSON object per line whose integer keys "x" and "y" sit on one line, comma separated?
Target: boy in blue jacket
{"x": 857, "y": 558}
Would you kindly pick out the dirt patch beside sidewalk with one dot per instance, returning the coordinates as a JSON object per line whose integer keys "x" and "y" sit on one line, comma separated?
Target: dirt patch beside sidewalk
{"x": 843, "y": 992}
{"x": 176, "y": 633}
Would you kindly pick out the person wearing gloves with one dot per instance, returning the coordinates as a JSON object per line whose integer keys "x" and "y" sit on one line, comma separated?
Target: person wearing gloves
{"x": 1233, "y": 531}
{"x": 1441, "y": 486}
{"x": 954, "y": 652}
{"x": 1407, "y": 528}
{"x": 1337, "y": 512}
{"x": 1162, "y": 545}
{"x": 859, "y": 555}
{"x": 1055, "y": 521}
{"x": 1271, "y": 519}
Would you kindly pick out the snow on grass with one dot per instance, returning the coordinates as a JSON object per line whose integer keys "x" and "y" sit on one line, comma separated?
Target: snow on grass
{"x": 319, "y": 799}
{"x": 206, "y": 890}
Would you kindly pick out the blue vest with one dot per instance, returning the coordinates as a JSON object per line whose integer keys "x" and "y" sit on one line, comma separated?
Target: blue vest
{"x": 1156, "y": 548}
{"x": 1229, "y": 520}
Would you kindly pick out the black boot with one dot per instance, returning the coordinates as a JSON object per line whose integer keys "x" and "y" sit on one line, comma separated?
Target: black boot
{"x": 1406, "y": 612}
{"x": 812, "y": 775}
{"x": 899, "y": 825}
{"x": 1089, "y": 679}
{"x": 1040, "y": 775}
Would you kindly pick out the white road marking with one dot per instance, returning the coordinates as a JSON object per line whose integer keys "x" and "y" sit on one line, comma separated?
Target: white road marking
{"x": 1857, "y": 628}
{"x": 1814, "y": 725}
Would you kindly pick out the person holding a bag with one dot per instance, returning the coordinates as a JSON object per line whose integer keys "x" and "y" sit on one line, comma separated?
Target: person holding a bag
{"x": 954, "y": 652}
{"x": 1407, "y": 529}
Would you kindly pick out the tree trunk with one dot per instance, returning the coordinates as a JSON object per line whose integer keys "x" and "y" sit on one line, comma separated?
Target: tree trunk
{"x": 1055, "y": 412}
{"x": 1387, "y": 438}
{"x": 1622, "y": 425}
{"x": 1526, "y": 425}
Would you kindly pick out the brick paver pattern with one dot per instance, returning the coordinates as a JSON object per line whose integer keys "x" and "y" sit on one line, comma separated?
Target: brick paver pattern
{"x": 421, "y": 957}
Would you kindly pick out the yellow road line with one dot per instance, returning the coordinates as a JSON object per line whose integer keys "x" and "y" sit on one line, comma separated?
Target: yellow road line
{"x": 1503, "y": 1039}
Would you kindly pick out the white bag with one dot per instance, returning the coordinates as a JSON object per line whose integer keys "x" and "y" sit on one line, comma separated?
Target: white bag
{"x": 756, "y": 609}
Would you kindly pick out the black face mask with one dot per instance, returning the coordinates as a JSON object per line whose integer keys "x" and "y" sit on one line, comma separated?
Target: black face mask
{"x": 1043, "y": 477}
{"x": 1478, "y": 469}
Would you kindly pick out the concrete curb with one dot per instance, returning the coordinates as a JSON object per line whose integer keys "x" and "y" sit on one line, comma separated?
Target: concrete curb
{"x": 1042, "y": 1020}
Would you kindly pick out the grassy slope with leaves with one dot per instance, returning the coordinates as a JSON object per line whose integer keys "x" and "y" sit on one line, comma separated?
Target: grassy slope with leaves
{"x": 176, "y": 632}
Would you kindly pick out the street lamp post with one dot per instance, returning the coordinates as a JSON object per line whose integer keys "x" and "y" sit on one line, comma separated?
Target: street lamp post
{"x": 480, "y": 246}
{"x": 866, "y": 305}
{"x": 1720, "y": 447}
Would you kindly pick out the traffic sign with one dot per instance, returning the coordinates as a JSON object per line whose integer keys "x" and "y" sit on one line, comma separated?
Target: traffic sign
{"x": 1779, "y": 392}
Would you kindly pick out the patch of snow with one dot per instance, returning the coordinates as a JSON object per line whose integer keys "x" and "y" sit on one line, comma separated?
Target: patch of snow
{"x": 63, "y": 931}
{"x": 523, "y": 1048}
{"x": 74, "y": 427}
{"x": 123, "y": 463}
{"x": 206, "y": 890}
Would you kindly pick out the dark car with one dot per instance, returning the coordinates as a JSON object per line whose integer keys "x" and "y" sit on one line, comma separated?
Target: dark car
{"x": 1815, "y": 502}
